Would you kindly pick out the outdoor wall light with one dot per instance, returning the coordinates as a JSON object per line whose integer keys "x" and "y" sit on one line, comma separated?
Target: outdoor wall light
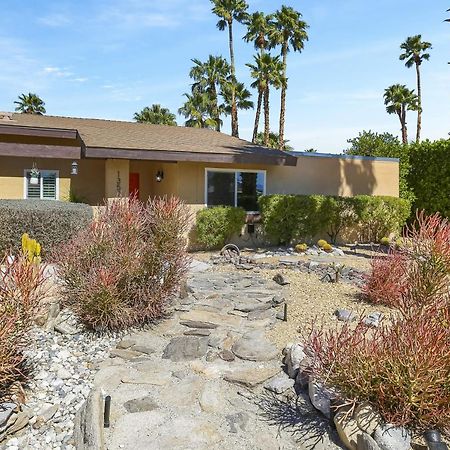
{"x": 159, "y": 176}
{"x": 74, "y": 168}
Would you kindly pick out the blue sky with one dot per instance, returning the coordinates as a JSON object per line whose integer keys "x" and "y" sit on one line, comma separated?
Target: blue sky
{"x": 110, "y": 58}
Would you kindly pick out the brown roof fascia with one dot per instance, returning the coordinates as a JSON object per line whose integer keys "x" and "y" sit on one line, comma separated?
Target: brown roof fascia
{"x": 39, "y": 150}
{"x": 163, "y": 155}
{"x": 21, "y": 130}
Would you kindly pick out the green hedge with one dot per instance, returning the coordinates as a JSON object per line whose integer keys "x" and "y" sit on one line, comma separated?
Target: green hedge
{"x": 217, "y": 224}
{"x": 429, "y": 176}
{"x": 50, "y": 222}
{"x": 288, "y": 218}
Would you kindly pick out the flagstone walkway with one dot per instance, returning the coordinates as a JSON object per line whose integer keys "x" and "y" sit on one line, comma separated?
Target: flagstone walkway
{"x": 207, "y": 377}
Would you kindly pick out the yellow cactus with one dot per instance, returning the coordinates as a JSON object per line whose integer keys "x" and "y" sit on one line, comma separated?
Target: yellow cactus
{"x": 322, "y": 243}
{"x": 327, "y": 247}
{"x": 31, "y": 249}
{"x": 300, "y": 248}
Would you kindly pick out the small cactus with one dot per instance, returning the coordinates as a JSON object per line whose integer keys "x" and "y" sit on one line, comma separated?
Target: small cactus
{"x": 301, "y": 248}
{"x": 31, "y": 249}
{"x": 322, "y": 243}
{"x": 327, "y": 247}
{"x": 385, "y": 241}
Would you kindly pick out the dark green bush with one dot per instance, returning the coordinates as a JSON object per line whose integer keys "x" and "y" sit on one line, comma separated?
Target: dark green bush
{"x": 429, "y": 176}
{"x": 49, "y": 222}
{"x": 216, "y": 225}
{"x": 293, "y": 217}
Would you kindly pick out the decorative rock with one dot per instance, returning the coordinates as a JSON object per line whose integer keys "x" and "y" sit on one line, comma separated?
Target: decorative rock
{"x": 373, "y": 319}
{"x": 223, "y": 320}
{"x": 210, "y": 400}
{"x": 63, "y": 373}
{"x": 6, "y": 410}
{"x": 338, "y": 252}
{"x": 389, "y": 437}
{"x": 20, "y": 422}
{"x": 366, "y": 442}
{"x": 253, "y": 346}
{"x": 142, "y": 404}
{"x": 239, "y": 419}
{"x": 226, "y": 355}
{"x": 251, "y": 377}
{"x": 344, "y": 315}
{"x": 367, "y": 418}
{"x": 279, "y": 279}
{"x": 143, "y": 349}
{"x": 185, "y": 348}
{"x": 124, "y": 354}
{"x": 294, "y": 354}
{"x": 249, "y": 306}
{"x": 65, "y": 328}
{"x": 278, "y": 300}
{"x": 198, "y": 332}
{"x": 197, "y": 324}
{"x": 320, "y": 397}
{"x": 347, "y": 429}
{"x": 260, "y": 314}
{"x": 280, "y": 383}
{"x": 126, "y": 343}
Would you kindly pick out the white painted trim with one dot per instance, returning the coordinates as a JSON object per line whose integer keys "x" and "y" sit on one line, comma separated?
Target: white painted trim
{"x": 221, "y": 169}
{"x": 41, "y": 186}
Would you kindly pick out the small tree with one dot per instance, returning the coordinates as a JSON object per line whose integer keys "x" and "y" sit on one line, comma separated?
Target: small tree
{"x": 156, "y": 115}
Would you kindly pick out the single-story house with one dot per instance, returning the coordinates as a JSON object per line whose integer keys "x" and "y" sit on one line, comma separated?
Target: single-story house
{"x": 92, "y": 160}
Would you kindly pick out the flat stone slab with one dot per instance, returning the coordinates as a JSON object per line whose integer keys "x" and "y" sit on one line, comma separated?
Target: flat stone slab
{"x": 251, "y": 377}
{"x": 214, "y": 318}
{"x": 253, "y": 346}
{"x": 142, "y": 404}
{"x": 280, "y": 383}
{"x": 198, "y": 324}
{"x": 197, "y": 332}
{"x": 154, "y": 378}
{"x": 186, "y": 348}
{"x": 250, "y": 306}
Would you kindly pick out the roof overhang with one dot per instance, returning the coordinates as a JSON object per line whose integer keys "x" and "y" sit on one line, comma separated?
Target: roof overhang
{"x": 21, "y": 130}
{"x": 277, "y": 158}
{"x": 39, "y": 150}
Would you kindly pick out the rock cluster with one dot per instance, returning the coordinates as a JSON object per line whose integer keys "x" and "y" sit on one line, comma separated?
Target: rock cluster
{"x": 63, "y": 366}
{"x": 358, "y": 429}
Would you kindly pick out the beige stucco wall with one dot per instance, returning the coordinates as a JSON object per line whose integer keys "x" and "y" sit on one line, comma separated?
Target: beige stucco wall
{"x": 335, "y": 176}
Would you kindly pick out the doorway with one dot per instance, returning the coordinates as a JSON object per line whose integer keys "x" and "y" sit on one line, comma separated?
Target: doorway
{"x": 133, "y": 187}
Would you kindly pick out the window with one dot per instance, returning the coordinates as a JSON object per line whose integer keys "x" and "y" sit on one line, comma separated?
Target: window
{"x": 235, "y": 188}
{"x": 47, "y": 187}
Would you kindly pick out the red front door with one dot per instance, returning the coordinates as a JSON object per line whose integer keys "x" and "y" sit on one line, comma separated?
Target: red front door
{"x": 134, "y": 185}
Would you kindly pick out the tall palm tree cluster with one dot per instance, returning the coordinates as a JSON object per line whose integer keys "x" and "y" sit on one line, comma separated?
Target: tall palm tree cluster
{"x": 398, "y": 98}
{"x": 216, "y": 92}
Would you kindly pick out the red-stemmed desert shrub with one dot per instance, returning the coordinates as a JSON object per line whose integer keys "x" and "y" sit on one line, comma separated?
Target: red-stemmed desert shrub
{"x": 386, "y": 282}
{"x": 402, "y": 368}
{"x": 21, "y": 290}
{"x": 416, "y": 273}
{"x": 121, "y": 270}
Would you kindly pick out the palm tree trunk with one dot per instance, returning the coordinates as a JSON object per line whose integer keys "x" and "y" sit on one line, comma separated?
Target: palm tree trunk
{"x": 283, "y": 97}
{"x": 266, "y": 116}
{"x": 215, "y": 106}
{"x": 419, "y": 104}
{"x": 257, "y": 115}
{"x": 234, "y": 116}
{"x": 402, "y": 117}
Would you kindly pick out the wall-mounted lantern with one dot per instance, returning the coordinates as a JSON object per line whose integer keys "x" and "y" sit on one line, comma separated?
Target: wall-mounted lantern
{"x": 159, "y": 176}
{"x": 74, "y": 168}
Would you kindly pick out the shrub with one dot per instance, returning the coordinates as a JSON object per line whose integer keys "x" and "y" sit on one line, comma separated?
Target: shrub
{"x": 289, "y": 217}
{"x": 216, "y": 225}
{"x": 122, "y": 269}
{"x": 301, "y": 248}
{"x": 401, "y": 369}
{"x": 385, "y": 241}
{"x": 387, "y": 280}
{"x": 49, "y": 222}
{"x": 21, "y": 290}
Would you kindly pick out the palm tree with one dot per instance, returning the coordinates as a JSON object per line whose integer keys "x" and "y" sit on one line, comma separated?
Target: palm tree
{"x": 242, "y": 95}
{"x": 414, "y": 53}
{"x": 267, "y": 71}
{"x": 288, "y": 30}
{"x": 211, "y": 76}
{"x": 30, "y": 104}
{"x": 398, "y": 99}
{"x": 229, "y": 11}
{"x": 198, "y": 111}
{"x": 257, "y": 29}
{"x": 274, "y": 141}
{"x": 156, "y": 115}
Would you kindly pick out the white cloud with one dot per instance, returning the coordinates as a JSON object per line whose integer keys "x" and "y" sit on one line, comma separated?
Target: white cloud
{"x": 55, "y": 20}
{"x": 58, "y": 72}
